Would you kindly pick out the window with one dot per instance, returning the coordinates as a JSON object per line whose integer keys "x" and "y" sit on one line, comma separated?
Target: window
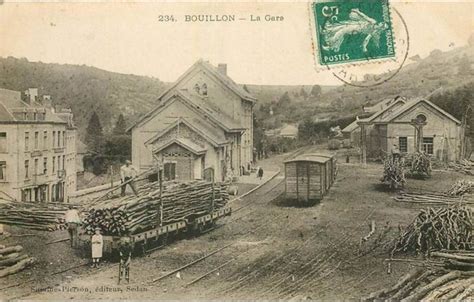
{"x": 54, "y": 164}
{"x": 27, "y": 168}
{"x": 169, "y": 171}
{"x": 45, "y": 165}
{"x": 64, "y": 159}
{"x": 403, "y": 144}
{"x": 421, "y": 118}
{"x": 427, "y": 145}
{"x": 27, "y": 141}
{"x": 3, "y": 142}
{"x": 64, "y": 138}
{"x": 54, "y": 138}
{"x": 45, "y": 140}
{"x": 36, "y": 140}
{"x": 3, "y": 170}
{"x": 59, "y": 162}
{"x": 36, "y": 167}
{"x": 59, "y": 139}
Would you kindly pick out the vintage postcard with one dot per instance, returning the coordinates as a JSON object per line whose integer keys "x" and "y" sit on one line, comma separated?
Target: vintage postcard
{"x": 245, "y": 150}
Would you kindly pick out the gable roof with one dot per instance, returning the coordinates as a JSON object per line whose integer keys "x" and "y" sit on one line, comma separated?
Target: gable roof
{"x": 201, "y": 108}
{"x": 185, "y": 143}
{"x": 415, "y": 102}
{"x": 224, "y": 79}
{"x": 211, "y": 136}
{"x": 382, "y": 104}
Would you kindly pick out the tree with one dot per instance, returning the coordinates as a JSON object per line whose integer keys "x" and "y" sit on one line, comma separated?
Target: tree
{"x": 464, "y": 66}
{"x": 303, "y": 93}
{"x": 120, "y": 126}
{"x": 316, "y": 91}
{"x": 284, "y": 100}
{"x": 94, "y": 134}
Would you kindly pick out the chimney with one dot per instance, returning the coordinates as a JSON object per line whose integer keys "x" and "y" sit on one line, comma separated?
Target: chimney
{"x": 47, "y": 102}
{"x": 31, "y": 95}
{"x": 222, "y": 68}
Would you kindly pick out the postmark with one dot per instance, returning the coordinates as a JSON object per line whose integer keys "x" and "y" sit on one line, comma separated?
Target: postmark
{"x": 352, "y": 31}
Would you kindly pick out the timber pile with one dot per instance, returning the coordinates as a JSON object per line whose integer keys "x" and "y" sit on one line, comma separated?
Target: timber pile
{"x": 461, "y": 187}
{"x": 420, "y": 165}
{"x": 432, "y": 198}
{"x": 429, "y": 285}
{"x": 133, "y": 214}
{"x": 449, "y": 228}
{"x": 34, "y": 216}
{"x": 463, "y": 166}
{"x": 394, "y": 172}
{"x": 13, "y": 260}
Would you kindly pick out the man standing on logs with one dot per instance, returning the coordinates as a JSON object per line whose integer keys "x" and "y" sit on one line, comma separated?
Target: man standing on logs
{"x": 72, "y": 221}
{"x": 127, "y": 174}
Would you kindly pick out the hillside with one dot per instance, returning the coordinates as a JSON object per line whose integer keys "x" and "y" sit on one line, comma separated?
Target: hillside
{"x": 84, "y": 89}
{"x": 419, "y": 77}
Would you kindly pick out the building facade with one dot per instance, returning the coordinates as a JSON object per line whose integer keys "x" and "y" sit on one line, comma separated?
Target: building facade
{"x": 204, "y": 120}
{"x": 408, "y": 125}
{"x": 37, "y": 148}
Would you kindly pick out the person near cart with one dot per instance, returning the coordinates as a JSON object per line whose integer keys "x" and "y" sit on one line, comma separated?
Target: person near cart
{"x": 97, "y": 243}
{"x": 73, "y": 221}
{"x": 125, "y": 252}
{"x": 127, "y": 173}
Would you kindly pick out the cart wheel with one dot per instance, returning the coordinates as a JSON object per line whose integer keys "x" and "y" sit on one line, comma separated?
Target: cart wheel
{"x": 164, "y": 239}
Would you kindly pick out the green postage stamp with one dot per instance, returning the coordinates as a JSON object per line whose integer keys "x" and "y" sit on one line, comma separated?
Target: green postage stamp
{"x": 352, "y": 31}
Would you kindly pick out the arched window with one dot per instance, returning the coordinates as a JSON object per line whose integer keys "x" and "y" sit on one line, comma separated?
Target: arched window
{"x": 204, "y": 89}
{"x": 197, "y": 88}
{"x": 421, "y": 118}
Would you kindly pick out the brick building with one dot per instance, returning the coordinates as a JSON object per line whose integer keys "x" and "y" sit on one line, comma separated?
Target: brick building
{"x": 204, "y": 120}
{"x": 408, "y": 124}
{"x": 37, "y": 148}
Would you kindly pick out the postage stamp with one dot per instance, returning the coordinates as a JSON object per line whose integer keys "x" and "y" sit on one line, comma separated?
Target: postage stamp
{"x": 353, "y": 31}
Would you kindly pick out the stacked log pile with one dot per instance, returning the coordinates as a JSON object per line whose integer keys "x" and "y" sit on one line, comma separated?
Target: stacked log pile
{"x": 461, "y": 187}
{"x": 133, "y": 214}
{"x": 429, "y": 285}
{"x": 394, "y": 172}
{"x": 449, "y": 228}
{"x": 420, "y": 165}
{"x": 13, "y": 260}
{"x": 447, "y": 270}
{"x": 463, "y": 166}
{"x": 34, "y": 216}
{"x": 433, "y": 198}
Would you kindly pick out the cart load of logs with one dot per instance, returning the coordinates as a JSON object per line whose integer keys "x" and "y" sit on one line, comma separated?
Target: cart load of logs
{"x": 13, "y": 260}
{"x": 461, "y": 187}
{"x": 34, "y": 216}
{"x": 449, "y": 228}
{"x": 132, "y": 214}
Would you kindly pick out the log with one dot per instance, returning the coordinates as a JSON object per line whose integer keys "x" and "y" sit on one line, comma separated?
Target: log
{"x": 405, "y": 290}
{"x": 11, "y": 249}
{"x": 401, "y": 283}
{"x": 16, "y": 267}
{"x": 454, "y": 257}
{"x": 13, "y": 260}
{"x": 423, "y": 291}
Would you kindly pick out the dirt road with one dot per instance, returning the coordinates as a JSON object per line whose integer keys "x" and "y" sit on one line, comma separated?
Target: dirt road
{"x": 275, "y": 251}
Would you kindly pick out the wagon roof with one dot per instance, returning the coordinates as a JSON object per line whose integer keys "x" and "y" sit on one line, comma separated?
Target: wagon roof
{"x": 317, "y": 158}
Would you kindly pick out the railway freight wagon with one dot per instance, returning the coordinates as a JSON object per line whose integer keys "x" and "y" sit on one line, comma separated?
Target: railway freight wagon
{"x": 159, "y": 213}
{"x": 308, "y": 177}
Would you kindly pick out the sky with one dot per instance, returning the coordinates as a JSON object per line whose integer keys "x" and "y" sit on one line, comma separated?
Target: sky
{"x": 128, "y": 37}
